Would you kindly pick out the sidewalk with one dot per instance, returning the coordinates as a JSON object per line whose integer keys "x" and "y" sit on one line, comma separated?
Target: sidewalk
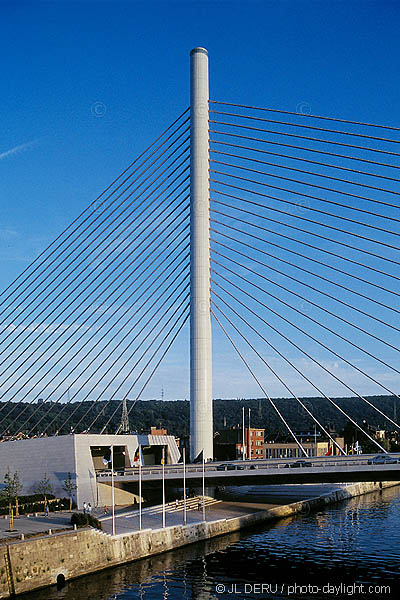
{"x": 33, "y": 525}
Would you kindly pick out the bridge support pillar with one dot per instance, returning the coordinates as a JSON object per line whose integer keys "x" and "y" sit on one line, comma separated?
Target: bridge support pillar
{"x": 201, "y": 413}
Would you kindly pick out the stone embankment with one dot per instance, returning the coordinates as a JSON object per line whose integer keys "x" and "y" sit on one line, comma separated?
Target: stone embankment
{"x": 43, "y": 561}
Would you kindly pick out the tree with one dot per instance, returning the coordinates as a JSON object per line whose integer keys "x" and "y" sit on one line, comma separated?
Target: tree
{"x": 44, "y": 487}
{"x": 12, "y": 488}
{"x": 69, "y": 487}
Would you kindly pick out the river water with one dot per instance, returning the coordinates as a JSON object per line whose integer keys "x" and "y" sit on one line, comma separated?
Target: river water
{"x": 348, "y": 550}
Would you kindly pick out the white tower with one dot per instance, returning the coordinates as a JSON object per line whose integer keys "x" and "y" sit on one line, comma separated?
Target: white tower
{"x": 201, "y": 413}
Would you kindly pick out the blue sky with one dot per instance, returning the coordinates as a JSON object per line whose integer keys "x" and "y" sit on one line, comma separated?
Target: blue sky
{"x": 86, "y": 86}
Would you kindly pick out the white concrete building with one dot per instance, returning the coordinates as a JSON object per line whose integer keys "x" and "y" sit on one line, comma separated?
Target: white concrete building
{"x": 81, "y": 455}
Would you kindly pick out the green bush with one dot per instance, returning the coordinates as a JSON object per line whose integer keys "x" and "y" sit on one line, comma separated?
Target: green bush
{"x": 31, "y": 499}
{"x": 83, "y": 520}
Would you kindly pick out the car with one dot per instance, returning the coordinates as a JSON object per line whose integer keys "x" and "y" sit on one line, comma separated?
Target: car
{"x": 230, "y": 467}
{"x": 298, "y": 463}
{"x": 226, "y": 467}
{"x": 382, "y": 459}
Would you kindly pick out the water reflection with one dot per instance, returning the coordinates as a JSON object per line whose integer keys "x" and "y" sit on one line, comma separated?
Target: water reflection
{"x": 356, "y": 542}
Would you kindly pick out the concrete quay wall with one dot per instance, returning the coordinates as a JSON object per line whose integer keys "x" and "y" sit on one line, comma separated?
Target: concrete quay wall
{"x": 38, "y": 562}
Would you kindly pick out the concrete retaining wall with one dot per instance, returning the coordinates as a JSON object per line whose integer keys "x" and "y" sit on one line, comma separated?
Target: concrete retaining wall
{"x": 38, "y": 562}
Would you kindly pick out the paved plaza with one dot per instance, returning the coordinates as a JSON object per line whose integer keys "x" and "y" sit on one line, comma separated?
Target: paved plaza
{"x": 127, "y": 519}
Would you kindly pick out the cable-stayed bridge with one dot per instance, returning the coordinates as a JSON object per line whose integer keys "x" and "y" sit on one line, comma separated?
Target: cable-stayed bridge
{"x": 275, "y": 231}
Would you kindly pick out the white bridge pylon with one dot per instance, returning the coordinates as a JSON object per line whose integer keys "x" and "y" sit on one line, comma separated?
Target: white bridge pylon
{"x": 201, "y": 413}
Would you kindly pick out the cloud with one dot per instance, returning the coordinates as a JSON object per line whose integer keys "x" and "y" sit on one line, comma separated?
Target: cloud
{"x": 18, "y": 149}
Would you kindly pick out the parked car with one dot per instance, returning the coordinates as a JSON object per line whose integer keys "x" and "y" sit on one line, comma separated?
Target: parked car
{"x": 382, "y": 459}
{"x": 298, "y": 463}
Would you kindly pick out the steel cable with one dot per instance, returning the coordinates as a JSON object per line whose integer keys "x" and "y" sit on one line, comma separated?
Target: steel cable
{"x": 98, "y": 214}
{"x": 93, "y": 261}
{"x": 276, "y": 374}
{"x": 105, "y": 221}
{"x": 112, "y": 326}
{"x": 313, "y": 221}
{"x": 260, "y": 385}
{"x": 304, "y": 137}
{"x": 255, "y": 237}
{"x": 317, "y": 306}
{"x": 129, "y": 332}
{"x": 154, "y": 368}
{"x": 333, "y": 403}
{"x": 98, "y": 297}
{"x": 320, "y": 164}
{"x": 104, "y": 374}
{"x": 117, "y": 277}
{"x": 314, "y": 289}
{"x": 307, "y": 183}
{"x": 310, "y": 116}
{"x": 93, "y": 203}
{"x": 313, "y": 127}
{"x": 313, "y": 233}
{"x": 83, "y": 301}
{"x": 315, "y": 151}
{"x": 300, "y": 329}
{"x": 77, "y": 407}
{"x": 304, "y": 352}
{"x": 151, "y": 358}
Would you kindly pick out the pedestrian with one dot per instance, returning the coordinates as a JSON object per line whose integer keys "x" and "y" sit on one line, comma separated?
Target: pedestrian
{"x": 89, "y": 508}
{"x": 106, "y": 510}
{"x": 176, "y": 503}
{"x": 84, "y": 508}
{"x": 199, "y": 505}
{"x": 46, "y": 510}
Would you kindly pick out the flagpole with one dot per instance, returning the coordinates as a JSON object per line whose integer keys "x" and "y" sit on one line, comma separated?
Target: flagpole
{"x": 204, "y": 508}
{"x": 249, "y": 440}
{"x": 163, "y": 488}
{"x": 112, "y": 490}
{"x": 140, "y": 489}
{"x": 184, "y": 486}
{"x": 243, "y": 436}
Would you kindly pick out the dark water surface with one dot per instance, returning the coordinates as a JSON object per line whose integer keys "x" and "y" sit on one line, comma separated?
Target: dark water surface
{"x": 349, "y": 550}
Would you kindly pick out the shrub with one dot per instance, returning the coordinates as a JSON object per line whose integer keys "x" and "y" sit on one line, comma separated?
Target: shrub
{"x": 83, "y": 520}
{"x": 30, "y": 499}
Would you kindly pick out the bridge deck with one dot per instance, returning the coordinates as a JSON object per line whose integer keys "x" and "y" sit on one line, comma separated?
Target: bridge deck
{"x": 318, "y": 470}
